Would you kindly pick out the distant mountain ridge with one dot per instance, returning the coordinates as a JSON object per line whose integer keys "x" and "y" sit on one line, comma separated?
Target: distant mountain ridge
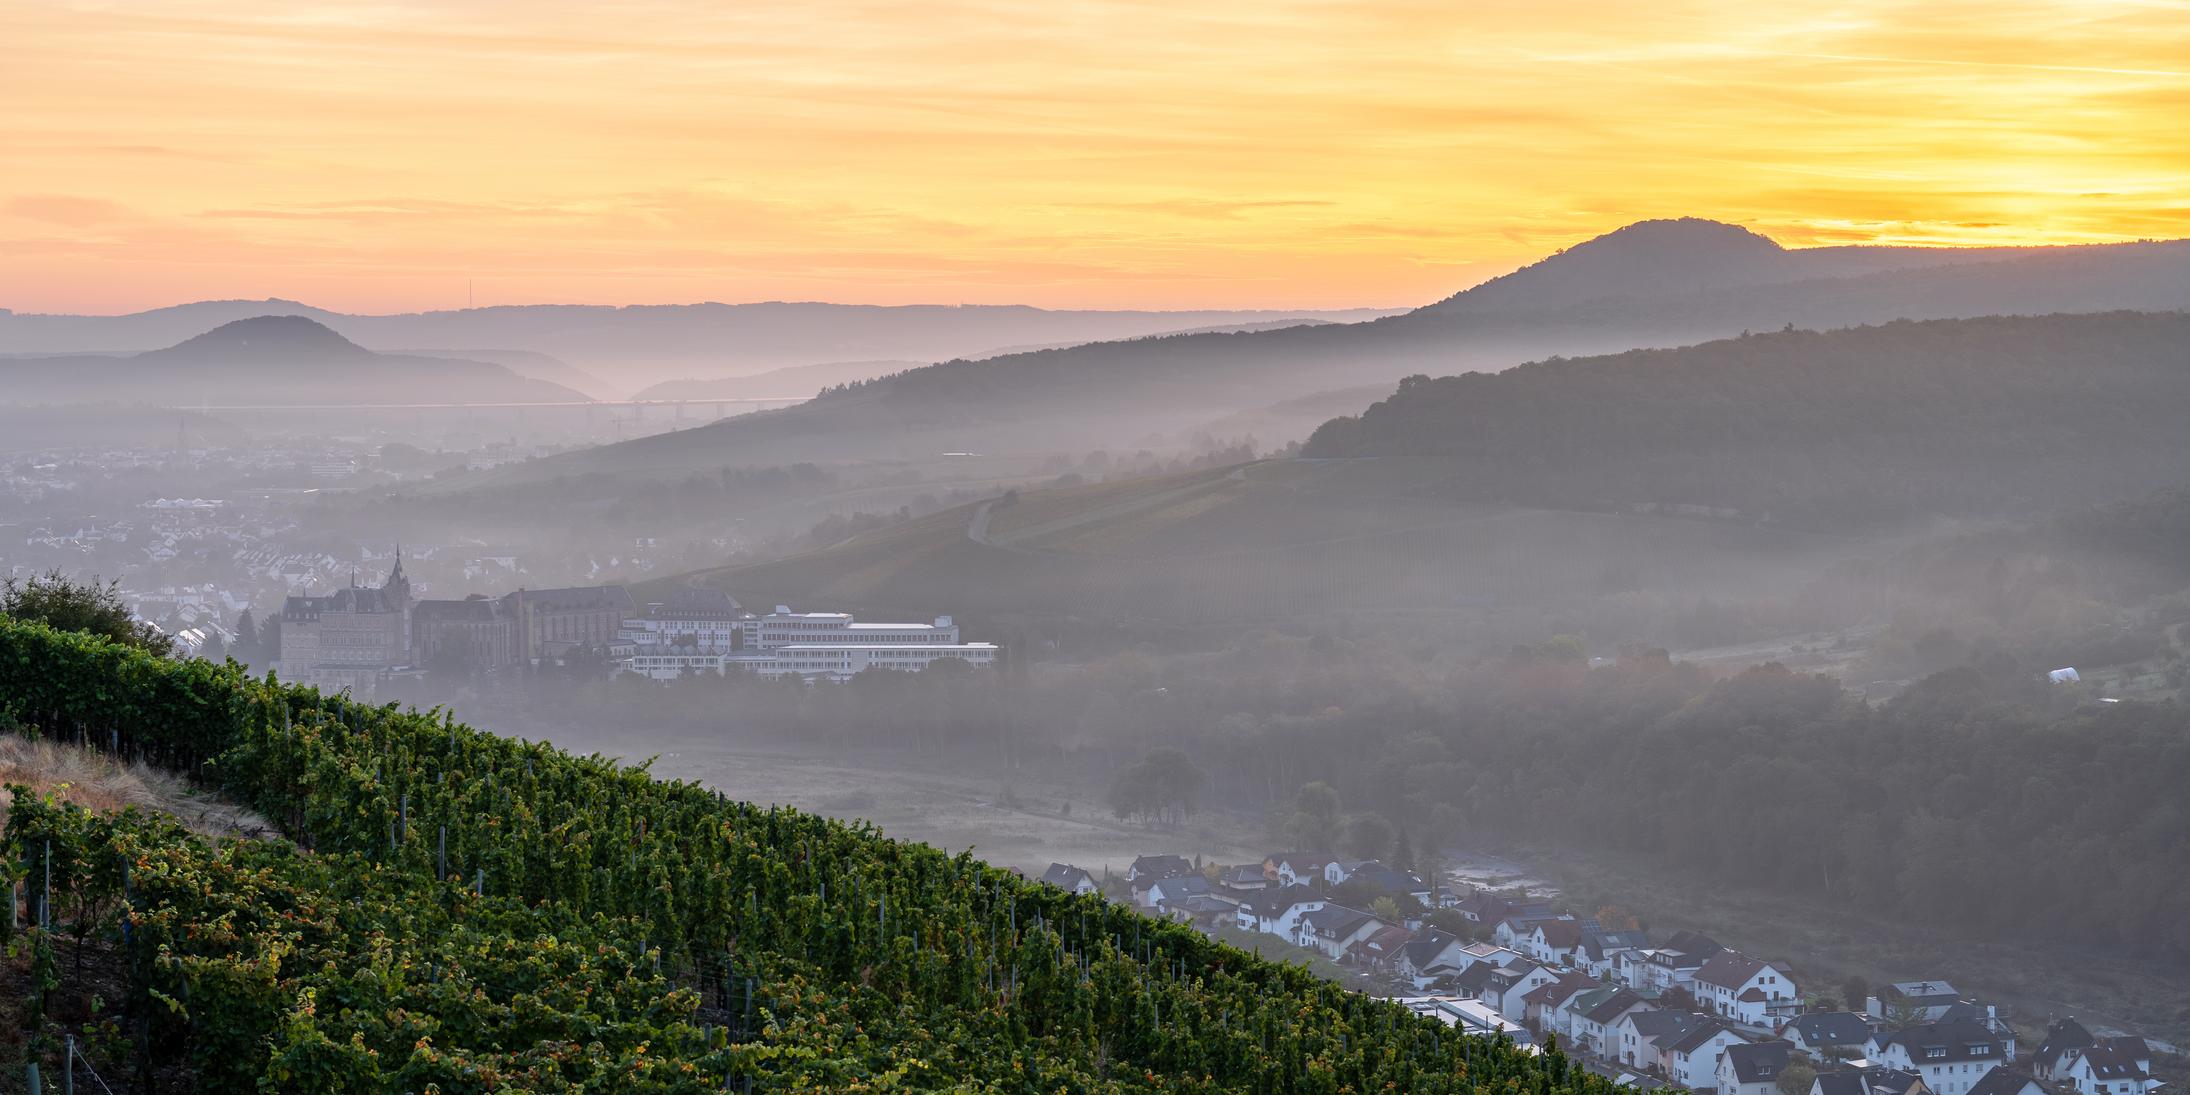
{"x": 266, "y": 361}
{"x": 1688, "y": 256}
{"x": 634, "y": 346}
{"x": 1600, "y": 297}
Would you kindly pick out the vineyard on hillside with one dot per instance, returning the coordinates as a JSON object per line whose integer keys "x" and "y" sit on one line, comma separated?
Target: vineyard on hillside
{"x": 460, "y": 912}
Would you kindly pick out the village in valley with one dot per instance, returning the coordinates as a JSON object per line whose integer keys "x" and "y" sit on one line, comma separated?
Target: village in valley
{"x": 1645, "y": 1011}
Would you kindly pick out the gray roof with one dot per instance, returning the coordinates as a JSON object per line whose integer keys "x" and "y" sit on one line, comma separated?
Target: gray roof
{"x": 1653, "y": 1025}
{"x": 1273, "y": 902}
{"x": 2109, "y": 1062}
{"x": 1336, "y": 921}
{"x": 1612, "y": 1007}
{"x": 357, "y": 599}
{"x": 1185, "y": 885}
{"x": 1424, "y": 948}
{"x": 1065, "y": 876}
{"x": 1959, "y": 1041}
{"x": 1159, "y": 866}
{"x": 1831, "y": 1028}
{"x": 1598, "y": 943}
{"x": 2000, "y": 1081}
{"x": 1844, "y": 1082}
{"x": 1924, "y": 990}
{"x": 1698, "y": 1035}
{"x": 1758, "y": 1062}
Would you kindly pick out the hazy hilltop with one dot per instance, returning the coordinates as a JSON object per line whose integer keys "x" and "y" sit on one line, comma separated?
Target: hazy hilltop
{"x": 2003, "y": 415}
{"x": 1653, "y": 284}
{"x": 267, "y": 360}
{"x": 538, "y": 366}
{"x": 633, "y": 347}
{"x": 1741, "y": 467}
{"x": 1670, "y": 258}
{"x": 802, "y": 381}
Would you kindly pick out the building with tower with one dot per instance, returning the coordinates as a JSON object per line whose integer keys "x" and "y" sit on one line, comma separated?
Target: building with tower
{"x": 349, "y": 638}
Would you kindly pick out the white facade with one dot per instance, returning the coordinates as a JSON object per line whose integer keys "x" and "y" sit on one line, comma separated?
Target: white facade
{"x": 705, "y": 634}
{"x": 784, "y": 627}
{"x": 665, "y": 645}
{"x": 840, "y": 661}
{"x": 1697, "y": 1067}
{"x": 667, "y": 663}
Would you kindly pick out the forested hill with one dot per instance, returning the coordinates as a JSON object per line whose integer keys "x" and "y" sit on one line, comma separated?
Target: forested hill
{"x": 2006, "y": 415}
{"x": 449, "y": 910}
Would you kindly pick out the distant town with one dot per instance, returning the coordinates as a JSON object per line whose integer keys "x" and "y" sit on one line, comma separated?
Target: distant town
{"x": 1645, "y": 1011}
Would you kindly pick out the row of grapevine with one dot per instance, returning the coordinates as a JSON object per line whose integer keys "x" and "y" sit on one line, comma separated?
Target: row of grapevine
{"x": 444, "y": 889}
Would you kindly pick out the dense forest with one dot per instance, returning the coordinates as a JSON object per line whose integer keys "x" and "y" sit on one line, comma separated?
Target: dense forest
{"x": 450, "y": 910}
{"x": 2013, "y": 415}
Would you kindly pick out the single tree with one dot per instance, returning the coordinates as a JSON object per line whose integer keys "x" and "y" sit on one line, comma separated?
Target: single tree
{"x": 1855, "y": 992}
{"x": 1368, "y": 836}
{"x": 1315, "y": 823}
{"x": 56, "y": 601}
{"x": 1797, "y": 1077}
{"x": 247, "y": 638}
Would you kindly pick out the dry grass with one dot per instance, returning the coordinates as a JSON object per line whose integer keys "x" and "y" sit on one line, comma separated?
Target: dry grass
{"x": 101, "y": 783}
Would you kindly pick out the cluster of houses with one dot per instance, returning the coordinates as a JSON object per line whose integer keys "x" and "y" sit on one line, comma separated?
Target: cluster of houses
{"x": 1683, "y": 1011}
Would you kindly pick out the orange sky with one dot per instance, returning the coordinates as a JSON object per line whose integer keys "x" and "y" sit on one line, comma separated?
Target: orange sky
{"x": 1228, "y": 153}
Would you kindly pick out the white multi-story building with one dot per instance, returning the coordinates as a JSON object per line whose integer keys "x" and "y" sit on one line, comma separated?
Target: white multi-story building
{"x": 700, "y": 619}
{"x": 675, "y": 639}
{"x": 784, "y": 627}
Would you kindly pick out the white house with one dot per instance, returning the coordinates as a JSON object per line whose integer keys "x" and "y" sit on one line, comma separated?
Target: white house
{"x": 1746, "y": 990}
{"x": 1951, "y": 1057}
{"x": 1655, "y": 971}
{"x": 2116, "y": 1066}
{"x": 1545, "y": 1007}
{"x": 1640, "y": 1038}
{"x": 1278, "y": 911}
{"x": 1753, "y": 1069}
{"x": 1298, "y": 868}
{"x": 1168, "y": 893}
{"x": 1553, "y": 941}
{"x": 1600, "y": 952}
{"x": 2072, "y": 1057}
{"x": 1594, "y": 1028}
{"x": 1692, "y": 1060}
{"x": 1507, "y": 988}
{"x": 1335, "y": 929}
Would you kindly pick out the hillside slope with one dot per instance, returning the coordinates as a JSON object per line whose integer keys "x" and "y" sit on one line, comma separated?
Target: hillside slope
{"x": 1280, "y": 543}
{"x": 1583, "y": 301}
{"x": 482, "y": 914}
{"x": 1984, "y": 417}
{"x": 267, "y": 360}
